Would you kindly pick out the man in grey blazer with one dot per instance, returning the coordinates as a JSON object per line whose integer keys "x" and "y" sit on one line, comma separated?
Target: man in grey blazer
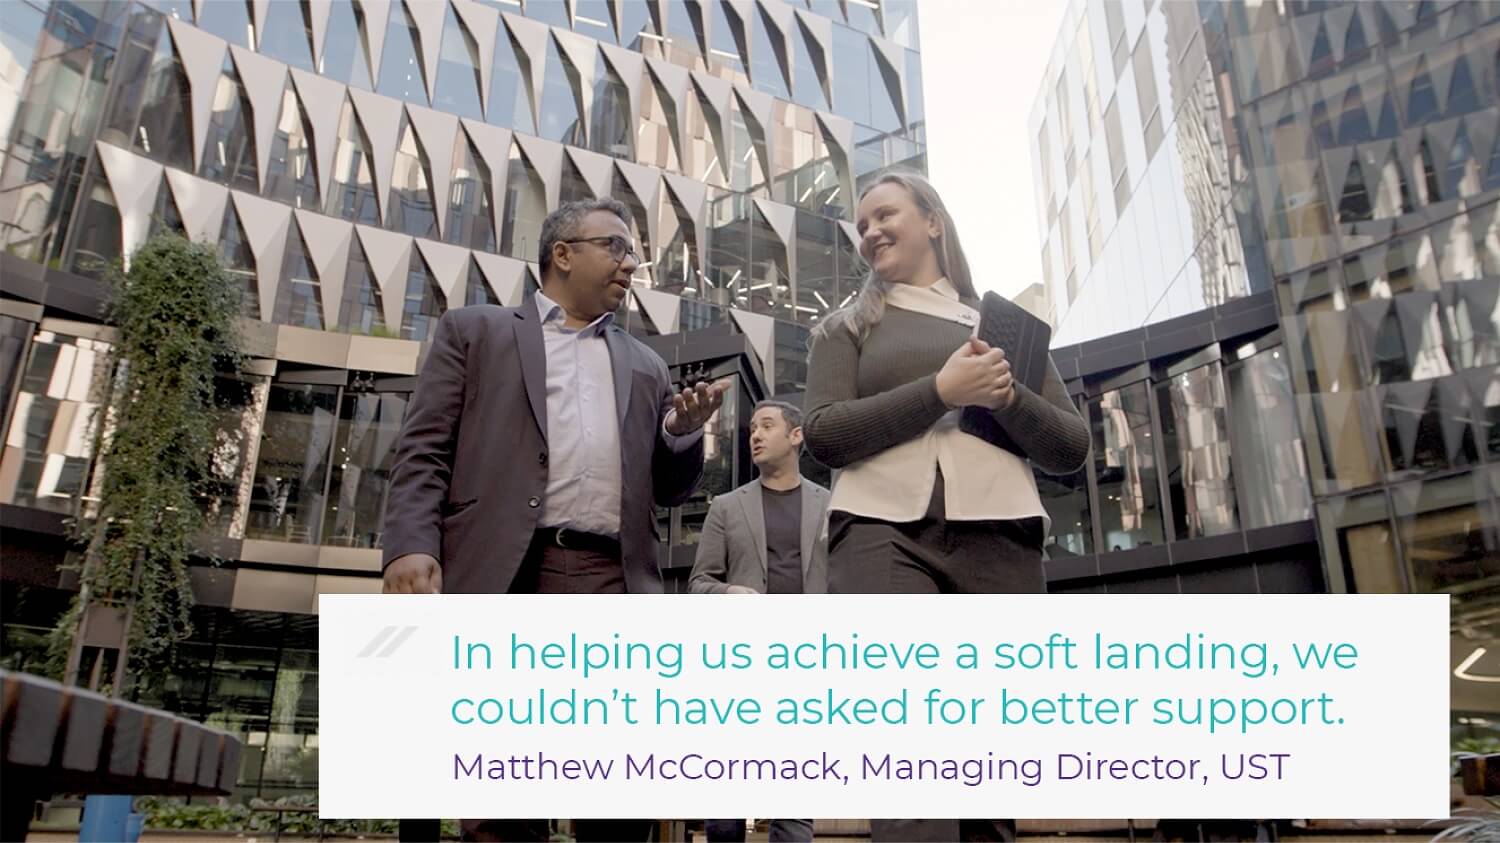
{"x": 763, "y": 538}
{"x": 748, "y": 544}
{"x": 535, "y": 443}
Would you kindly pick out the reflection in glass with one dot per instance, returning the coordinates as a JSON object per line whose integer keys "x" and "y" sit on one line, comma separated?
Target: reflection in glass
{"x": 1195, "y": 450}
{"x": 165, "y": 131}
{"x": 364, "y": 455}
{"x": 1125, "y": 466}
{"x": 525, "y": 208}
{"x": 510, "y": 94}
{"x": 424, "y": 302}
{"x": 400, "y": 63}
{"x": 362, "y": 310}
{"x": 240, "y": 403}
{"x": 288, "y": 37}
{"x": 412, "y": 204}
{"x": 457, "y": 87}
{"x": 351, "y": 191}
{"x": 560, "y": 118}
{"x": 1449, "y": 533}
{"x": 298, "y": 300}
{"x": 291, "y": 172}
{"x": 610, "y": 130}
{"x": 721, "y": 436}
{"x": 292, "y": 470}
{"x": 343, "y": 56}
{"x": 817, "y": 272}
{"x": 1267, "y": 448}
{"x": 229, "y": 151}
{"x": 1357, "y": 539}
{"x": 239, "y": 261}
{"x": 50, "y": 435}
{"x": 471, "y": 219}
{"x": 792, "y": 343}
{"x": 1066, "y": 500}
{"x": 228, "y": 19}
{"x": 96, "y": 238}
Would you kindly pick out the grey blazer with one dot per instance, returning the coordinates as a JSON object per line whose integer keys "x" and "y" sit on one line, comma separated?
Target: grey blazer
{"x": 471, "y": 461}
{"x": 732, "y": 549}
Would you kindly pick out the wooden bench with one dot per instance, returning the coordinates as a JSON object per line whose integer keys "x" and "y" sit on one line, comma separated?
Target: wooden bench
{"x": 59, "y": 739}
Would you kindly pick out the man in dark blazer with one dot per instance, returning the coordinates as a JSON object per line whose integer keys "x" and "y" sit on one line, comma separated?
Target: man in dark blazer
{"x": 536, "y": 442}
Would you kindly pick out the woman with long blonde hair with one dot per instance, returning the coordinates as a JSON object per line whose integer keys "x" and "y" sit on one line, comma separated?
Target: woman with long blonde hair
{"x": 920, "y": 506}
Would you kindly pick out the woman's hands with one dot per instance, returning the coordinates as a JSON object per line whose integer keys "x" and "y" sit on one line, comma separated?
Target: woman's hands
{"x": 976, "y": 375}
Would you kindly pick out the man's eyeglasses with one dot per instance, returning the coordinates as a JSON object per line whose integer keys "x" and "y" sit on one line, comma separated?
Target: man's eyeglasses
{"x": 618, "y": 246}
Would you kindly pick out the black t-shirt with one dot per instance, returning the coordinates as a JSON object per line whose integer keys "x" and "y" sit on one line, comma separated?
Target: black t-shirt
{"x": 783, "y": 512}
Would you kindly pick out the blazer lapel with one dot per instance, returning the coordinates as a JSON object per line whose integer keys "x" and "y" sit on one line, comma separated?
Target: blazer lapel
{"x": 533, "y": 361}
{"x": 755, "y": 515}
{"x": 619, "y": 361}
{"x": 811, "y": 510}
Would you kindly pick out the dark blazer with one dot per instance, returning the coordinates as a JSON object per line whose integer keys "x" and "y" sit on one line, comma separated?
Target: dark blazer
{"x": 471, "y": 464}
{"x": 732, "y": 548}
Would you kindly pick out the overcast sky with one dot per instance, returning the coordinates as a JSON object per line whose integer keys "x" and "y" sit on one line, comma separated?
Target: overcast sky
{"x": 982, "y": 64}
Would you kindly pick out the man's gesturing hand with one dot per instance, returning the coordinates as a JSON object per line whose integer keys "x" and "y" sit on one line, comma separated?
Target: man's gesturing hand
{"x": 414, "y": 573}
{"x": 693, "y": 406}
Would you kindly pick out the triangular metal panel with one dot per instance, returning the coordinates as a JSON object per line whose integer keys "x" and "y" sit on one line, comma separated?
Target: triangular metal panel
{"x": 317, "y": 19}
{"x": 782, "y": 219}
{"x": 202, "y": 57}
{"x": 597, "y": 170}
{"x": 663, "y": 309}
{"x": 532, "y": 38}
{"x": 381, "y": 118}
{"x": 258, "y": 11}
{"x": 820, "y": 29}
{"x": 1338, "y": 19}
{"x": 1305, "y": 33}
{"x": 838, "y": 134}
{"x": 1406, "y": 404}
{"x": 428, "y": 15}
{"x": 1336, "y": 168}
{"x": 493, "y": 145}
{"x": 200, "y": 203}
{"x": 1455, "y": 410}
{"x": 437, "y": 132}
{"x": 376, "y": 14}
{"x": 134, "y": 181}
{"x": 892, "y": 58}
{"x": 851, "y": 231}
{"x": 482, "y": 23}
{"x": 546, "y": 158}
{"x": 506, "y": 276}
{"x": 450, "y": 267}
{"x": 672, "y": 81}
{"x": 645, "y": 183}
{"x": 264, "y": 82}
{"x": 760, "y": 330}
{"x": 691, "y": 196}
{"x": 266, "y": 225}
{"x": 717, "y": 97}
{"x": 322, "y": 102}
{"x": 629, "y": 66}
{"x": 389, "y": 255}
{"x": 583, "y": 54}
{"x": 327, "y": 240}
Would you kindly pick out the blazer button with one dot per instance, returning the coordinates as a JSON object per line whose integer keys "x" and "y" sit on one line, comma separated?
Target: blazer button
{"x": 542, "y": 458}
{"x": 534, "y": 502}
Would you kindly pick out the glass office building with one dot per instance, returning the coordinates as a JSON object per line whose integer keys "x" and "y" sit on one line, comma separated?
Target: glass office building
{"x": 1272, "y": 248}
{"x": 363, "y": 165}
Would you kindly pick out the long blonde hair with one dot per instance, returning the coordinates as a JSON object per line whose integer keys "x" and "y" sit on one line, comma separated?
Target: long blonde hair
{"x": 868, "y": 306}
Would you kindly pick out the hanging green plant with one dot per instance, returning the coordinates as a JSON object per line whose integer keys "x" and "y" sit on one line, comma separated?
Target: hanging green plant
{"x": 176, "y": 311}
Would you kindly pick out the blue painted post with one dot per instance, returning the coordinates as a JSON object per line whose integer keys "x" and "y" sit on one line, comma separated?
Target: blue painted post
{"x": 104, "y": 819}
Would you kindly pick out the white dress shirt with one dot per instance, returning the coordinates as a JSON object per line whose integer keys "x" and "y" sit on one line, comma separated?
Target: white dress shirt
{"x": 583, "y": 426}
